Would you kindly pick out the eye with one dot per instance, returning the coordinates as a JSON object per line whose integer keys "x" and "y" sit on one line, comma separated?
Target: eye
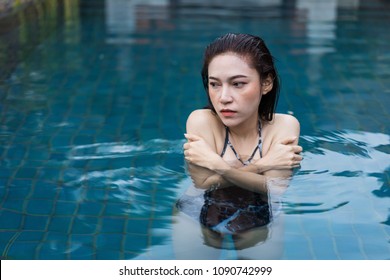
{"x": 213, "y": 85}
{"x": 239, "y": 84}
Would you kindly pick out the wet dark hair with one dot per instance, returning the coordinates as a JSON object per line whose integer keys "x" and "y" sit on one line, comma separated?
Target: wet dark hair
{"x": 254, "y": 50}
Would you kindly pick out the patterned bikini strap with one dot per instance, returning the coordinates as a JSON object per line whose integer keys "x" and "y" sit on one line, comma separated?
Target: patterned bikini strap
{"x": 258, "y": 147}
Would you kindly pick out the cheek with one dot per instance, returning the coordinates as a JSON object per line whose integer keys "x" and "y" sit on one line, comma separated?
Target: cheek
{"x": 213, "y": 96}
{"x": 253, "y": 98}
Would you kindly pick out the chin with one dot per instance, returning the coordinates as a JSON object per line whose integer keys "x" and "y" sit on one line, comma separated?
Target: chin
{"x": 230, "y": 122}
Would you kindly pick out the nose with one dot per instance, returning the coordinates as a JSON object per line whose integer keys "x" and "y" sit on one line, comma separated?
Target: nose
{"x": 225, "y": 96}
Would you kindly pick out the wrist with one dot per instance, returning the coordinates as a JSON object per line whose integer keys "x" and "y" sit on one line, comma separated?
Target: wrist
{"x": 222, "y": 168}
{"x": 215, "y": 162}
{"x": 260, "y": 166}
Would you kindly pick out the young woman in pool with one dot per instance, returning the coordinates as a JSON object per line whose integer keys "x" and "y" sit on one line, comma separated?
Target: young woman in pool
{"x": 239, "y": 139}
{"x": 239, "y": 154}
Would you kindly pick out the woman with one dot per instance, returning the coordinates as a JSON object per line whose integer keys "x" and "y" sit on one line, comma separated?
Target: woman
{"x": 238, "y": 143}
{"x": 240, "y": 137}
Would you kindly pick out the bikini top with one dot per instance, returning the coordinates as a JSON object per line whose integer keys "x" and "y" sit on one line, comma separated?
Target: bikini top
{"x": 228, "y": 143}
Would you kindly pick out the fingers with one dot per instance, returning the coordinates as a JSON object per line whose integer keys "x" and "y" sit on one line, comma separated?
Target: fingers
{"x": 288, "y": 140}
{"x": 297, "y": 149}
{"x": 297, "y": 158}
{"x": 192, "y": 137}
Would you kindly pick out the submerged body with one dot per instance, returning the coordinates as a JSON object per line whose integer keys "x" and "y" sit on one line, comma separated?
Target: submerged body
{"x": 237, "y": 144}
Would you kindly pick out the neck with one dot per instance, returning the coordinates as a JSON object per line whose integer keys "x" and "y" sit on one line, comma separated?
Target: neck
{"x": 245, "y": 130}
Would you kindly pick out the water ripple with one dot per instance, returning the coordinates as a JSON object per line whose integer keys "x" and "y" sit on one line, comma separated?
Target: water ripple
{"x": 125, "y": 149}
{"x": 341, "y": 171}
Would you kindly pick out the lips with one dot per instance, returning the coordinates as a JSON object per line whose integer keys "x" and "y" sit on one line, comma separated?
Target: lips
{"x": 227, "y": 112}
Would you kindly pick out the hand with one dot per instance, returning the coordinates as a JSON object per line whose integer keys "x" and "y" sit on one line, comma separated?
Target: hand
{"x": 198, "y": 152}
{"x": 282, "y": 155}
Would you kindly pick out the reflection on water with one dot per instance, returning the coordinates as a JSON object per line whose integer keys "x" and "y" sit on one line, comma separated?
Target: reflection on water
{"x": 339, "y": 169}
{"x": 115, "y": 150}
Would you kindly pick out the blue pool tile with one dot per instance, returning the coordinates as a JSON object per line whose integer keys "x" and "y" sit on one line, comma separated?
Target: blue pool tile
{"x": 6, "y": 172}
{"x": 57, "y": 158}
{"x": 39, "y": 206}
{"x": 85, "y": 225}
{"x": 50, "y": 174}
{"x": 112, "y": 225}
{"x": 324, "y": 247}
{"x": 90, "y": 208}
{"x": 130, "y": 255}
{"x": 45, "y": 190}
{"x": 109, "y": 255}
{"x": 97, "y": 164}
{"x": 293, "y": 225}
{"x": 95, "y": 195}
{"x": 65, "y": 208}
{"x": 370, "y": 231}
{"x": 38, "y": 153}
{"x": 35, "y": 223}
{"x": 52, "y": 250}
{"x": 81, "y": 252}
{"x": 70, "y": 194}
{"x": 5, "y": 238}
{"x": 343, "y": 229}
{"x": 34, "y": 163}
{"x": 60, "y": 141}
{"x": 136, "y": 243}
{"x": 3, "y": 191}
{"x": 109, "y": 241}
{"x": 14, "y": 205}
{"x": 85, "y": 239}
{"x": 23, "y": 251}
{"x": 26, "y": 173}
{"x": 31, "y": 236}
{"x": 117, "y": 209}
{"x": 60, "y": 224}
{"x": 72, "y": 174}
{"x": 83, "y": 140}
{"x": 10, "y": 220}
{"x": 16, "y": 153}
{"x": 56, "y": 236}
{"x": 20, "y": 184}
{"x": 78, "y": 164}
{"x": 376, "y": 250}
{"x": 298, "y": 247}
{"x": 122, "y": 162}
{"x": 138, "y": 226}
{"x": 349, "y": 248}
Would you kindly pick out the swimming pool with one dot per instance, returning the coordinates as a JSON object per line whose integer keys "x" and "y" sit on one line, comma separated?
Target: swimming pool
{"x": 94, "y": 98}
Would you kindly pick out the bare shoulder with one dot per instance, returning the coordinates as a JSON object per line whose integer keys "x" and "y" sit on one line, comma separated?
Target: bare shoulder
{"x": 200, "y": 121}
{"x": 286, "y": 120}
{"x": 282, "y": 126}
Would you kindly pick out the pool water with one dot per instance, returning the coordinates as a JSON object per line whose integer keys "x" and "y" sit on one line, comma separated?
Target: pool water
{"x": 95, "y": 95}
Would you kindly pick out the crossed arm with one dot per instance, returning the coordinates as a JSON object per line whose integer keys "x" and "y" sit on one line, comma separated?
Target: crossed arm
{"x": 208, "y": 169}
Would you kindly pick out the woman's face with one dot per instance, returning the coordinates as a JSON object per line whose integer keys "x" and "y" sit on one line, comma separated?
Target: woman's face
{"x": 234, "y": 89}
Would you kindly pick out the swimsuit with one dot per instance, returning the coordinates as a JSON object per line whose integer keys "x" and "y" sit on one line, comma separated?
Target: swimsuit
{"x": 232, "y": 209}
{"x": 228, "y": 143}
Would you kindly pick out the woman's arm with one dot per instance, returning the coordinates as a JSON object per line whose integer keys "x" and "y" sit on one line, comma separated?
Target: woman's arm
{"x": 208, "y": 169}
{"x": 282, "y": 158}
{"x": 198, "y": 153}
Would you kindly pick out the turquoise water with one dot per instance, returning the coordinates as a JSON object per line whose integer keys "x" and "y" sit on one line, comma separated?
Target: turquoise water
{"x": 94, "y": 97}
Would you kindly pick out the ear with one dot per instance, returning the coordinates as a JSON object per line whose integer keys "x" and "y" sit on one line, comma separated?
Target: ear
{"x": 267, "y": 84}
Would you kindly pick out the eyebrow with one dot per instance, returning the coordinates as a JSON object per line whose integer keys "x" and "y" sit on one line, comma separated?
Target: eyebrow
{"x": 230, "y": 78}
